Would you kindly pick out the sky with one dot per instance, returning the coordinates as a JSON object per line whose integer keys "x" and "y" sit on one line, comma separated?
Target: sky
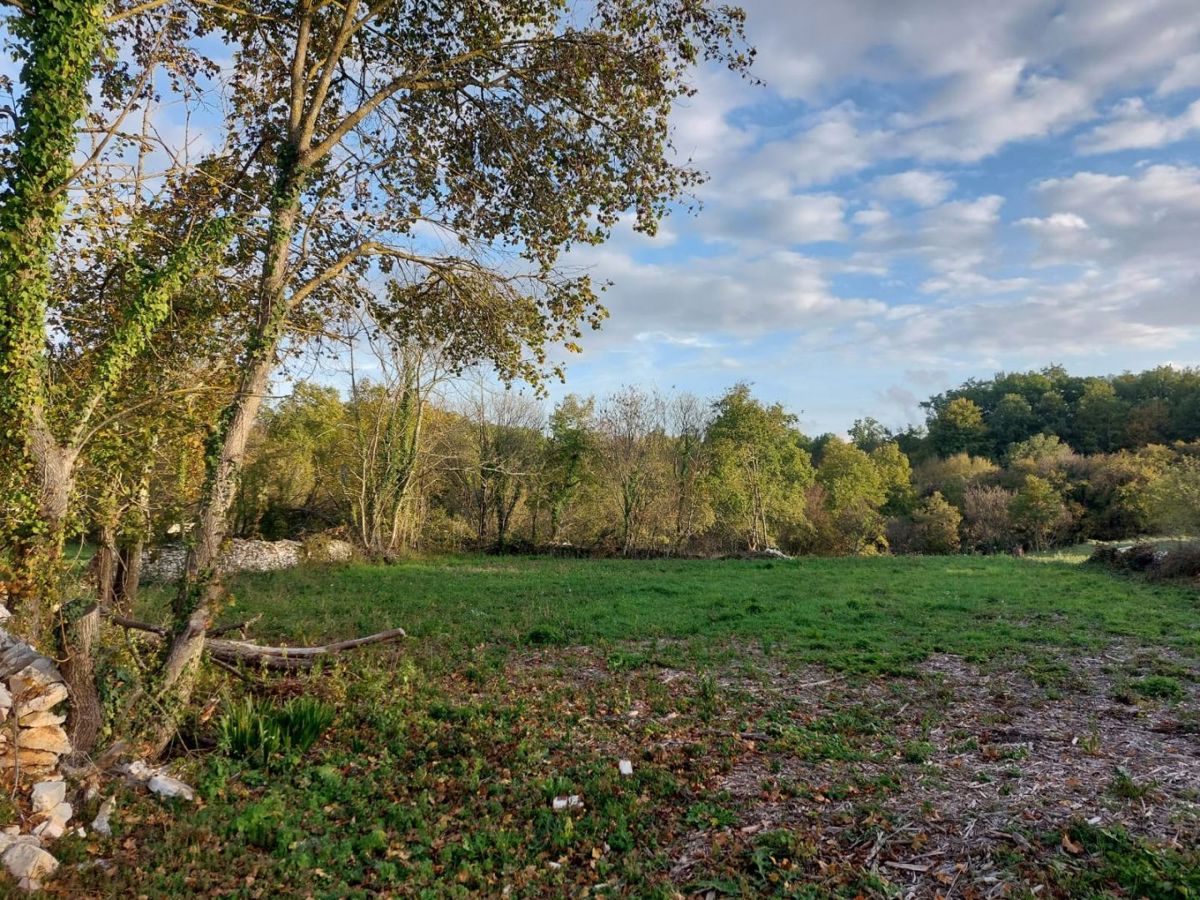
{"x": 918, "y": 192}
{"x": 921, "y": 191}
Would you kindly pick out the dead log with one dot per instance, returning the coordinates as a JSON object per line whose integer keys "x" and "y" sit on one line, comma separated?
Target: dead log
{"x": 251, "y": 654}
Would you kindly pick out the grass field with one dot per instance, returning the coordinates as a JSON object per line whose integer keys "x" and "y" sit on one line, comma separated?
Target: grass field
{"x": 956, "y": 726}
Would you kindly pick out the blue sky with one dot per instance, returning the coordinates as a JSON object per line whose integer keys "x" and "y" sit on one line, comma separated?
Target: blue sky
{"x": 923, "y": 191}
{"x": 920, "y": 192}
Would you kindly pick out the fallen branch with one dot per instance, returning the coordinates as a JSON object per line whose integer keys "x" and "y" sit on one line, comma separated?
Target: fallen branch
{"x": 246, "y": 653}
{"x": 237, "y": 626}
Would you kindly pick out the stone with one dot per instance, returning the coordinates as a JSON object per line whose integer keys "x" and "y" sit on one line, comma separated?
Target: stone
{"x": 625, "y": 767}
{"x": 55, "y": 825}
{"x": 5, "y": 698}
{"x": 47, "y": 794}
{"x": 30, "y": 863}
{"x": 102, "y": 823}
{"x": 166, "y": 786}
{"x": 50, "y": 737}
{"x": 49, "y": 698}
{"x": 16, "y": 656}
{"x": 4, "y": 613}
{"x": 32, "y": 761}
{"x": 41, "y": 718}
{"x": 35, "y": 677}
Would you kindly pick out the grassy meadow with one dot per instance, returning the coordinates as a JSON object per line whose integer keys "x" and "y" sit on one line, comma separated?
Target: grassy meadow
{"x": 962, "y": 726}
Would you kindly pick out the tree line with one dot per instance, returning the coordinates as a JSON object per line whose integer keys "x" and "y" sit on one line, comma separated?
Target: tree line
{"x": 403, "y": 467}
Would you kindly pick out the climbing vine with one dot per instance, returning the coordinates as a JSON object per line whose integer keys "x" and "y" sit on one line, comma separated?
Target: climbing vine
{"x": 57, "y": 41}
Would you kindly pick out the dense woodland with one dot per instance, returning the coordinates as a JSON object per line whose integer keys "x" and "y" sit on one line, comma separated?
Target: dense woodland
{"x": 412, "y": 463}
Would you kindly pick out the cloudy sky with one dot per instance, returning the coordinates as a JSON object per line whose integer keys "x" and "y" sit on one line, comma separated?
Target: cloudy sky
{"x": 923, "y": 191}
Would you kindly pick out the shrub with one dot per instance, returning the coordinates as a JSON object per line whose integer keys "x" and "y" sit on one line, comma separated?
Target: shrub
{"x": 935, "y": 526}
{"x": 987, "y": 525}
{"x": 1039, "y": 513}
{"x": 1138, "y": 558}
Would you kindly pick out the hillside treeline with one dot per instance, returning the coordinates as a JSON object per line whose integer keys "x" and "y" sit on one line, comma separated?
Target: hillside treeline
{"x": 1021, "y": 461}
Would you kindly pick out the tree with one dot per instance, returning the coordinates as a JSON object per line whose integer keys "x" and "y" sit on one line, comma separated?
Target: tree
{"x": 528, "y": 125}
{"x": 987, "y": 519}
{"x": 1174, "y": 499}
{"x": 690, "y": 465}
{"x": 896, "y": 472}
{"x": 1039, "y": 513}
{"x": 935, "y": 526}
{"x": 1099, "y": 418}
{"x": 855, "y": 492}
{"x": 60, "y": 370}
{"x": 1011, "y": 421}
{"x": 570, "y": 457}
{"x": 759, "y": 469}
{"x": 631, "y": 429}
{"x": 868, "y": 434}
{"x": 958, "y": 427}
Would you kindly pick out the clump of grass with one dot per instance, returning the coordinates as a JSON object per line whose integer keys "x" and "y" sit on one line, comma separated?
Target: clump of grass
{"x": 1126, "y": 787}
{"x": 1159, "y": 687}
{"x": 247, "y": 733}
{"x": 302, "y": 721}
{"x": 918, "y": 751}
{"x": 258, "y": 734}
{"x": 706, "y": 815}
{"x": 1139, "y": 869}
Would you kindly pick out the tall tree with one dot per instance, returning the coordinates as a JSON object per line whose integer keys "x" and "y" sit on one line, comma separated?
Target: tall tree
{"x": 530, "y": 125}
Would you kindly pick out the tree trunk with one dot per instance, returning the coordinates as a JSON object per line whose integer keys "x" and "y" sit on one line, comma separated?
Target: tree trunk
{"x": 77, "y": 637}
{"x": 200, "y": 587}
{"x": 125, "y": 591}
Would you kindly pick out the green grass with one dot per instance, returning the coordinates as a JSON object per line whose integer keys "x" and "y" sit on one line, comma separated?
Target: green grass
{"x": 868, "y": 615}
{"x": 775, "y": 713}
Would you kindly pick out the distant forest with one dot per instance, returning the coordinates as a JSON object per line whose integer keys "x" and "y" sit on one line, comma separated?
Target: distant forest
{"x": 403, "y": 464}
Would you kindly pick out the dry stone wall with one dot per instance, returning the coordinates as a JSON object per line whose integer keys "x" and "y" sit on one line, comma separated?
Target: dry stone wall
{"x": 166, "y": 563}
{"x": 32, "y": 742}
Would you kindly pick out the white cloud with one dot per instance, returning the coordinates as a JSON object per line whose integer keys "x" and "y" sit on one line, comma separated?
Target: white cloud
{"x": 1184, "y": 74}
{"x": 915, "y": 186}
{"x": 1133, "y": 126}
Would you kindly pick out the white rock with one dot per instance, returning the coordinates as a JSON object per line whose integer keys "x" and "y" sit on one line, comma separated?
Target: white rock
{"x": 166, "y": 786}
{"x": 51, "y": 738}
{"x": 55, "y": 825}
{"x": 50, "y": 830}
{"x": 39, "y": 674}
{"x": 29, "y": 861}
{"x": 139, "y": 771}
{"x": 625, "y": 767}
{"x": 4, "y": 613}
{"x": 101, "y": 824}
{"x": 50, "y": 697}
{"x": 41, "y": 719}
{"x": 47, "y": 794}
{"x": 572, "y": 802}
{"x": 5, "y": 697}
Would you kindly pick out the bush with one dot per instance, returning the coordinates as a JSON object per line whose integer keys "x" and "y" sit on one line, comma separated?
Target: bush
{"x": 935, "y": 526}
{"x": 987, "y": 524}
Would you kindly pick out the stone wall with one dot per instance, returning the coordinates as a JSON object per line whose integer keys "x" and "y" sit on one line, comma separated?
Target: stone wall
{"x": 32, "y": 742}
{"x": 165, "y": 563}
